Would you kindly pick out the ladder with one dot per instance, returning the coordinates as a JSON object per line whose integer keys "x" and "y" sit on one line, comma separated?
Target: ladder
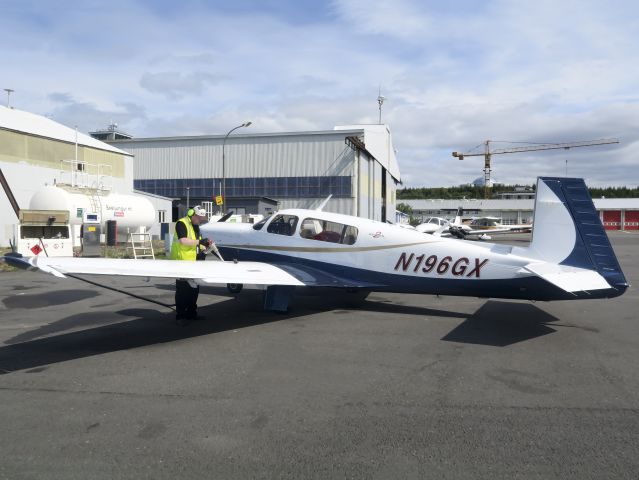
{"x": 141, "y": 245}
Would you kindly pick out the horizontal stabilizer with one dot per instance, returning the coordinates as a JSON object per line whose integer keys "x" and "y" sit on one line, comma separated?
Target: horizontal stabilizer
{"x": 570, "y": 279}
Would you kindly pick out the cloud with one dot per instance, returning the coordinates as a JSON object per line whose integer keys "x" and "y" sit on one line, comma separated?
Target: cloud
{"x": 88, "y": 117}
{"x": 453, "y": 73}
{"x": 175, "y": 85}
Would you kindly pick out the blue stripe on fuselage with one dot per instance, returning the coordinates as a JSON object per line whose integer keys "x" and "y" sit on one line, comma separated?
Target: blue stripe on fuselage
{"x": 524, "y": 288}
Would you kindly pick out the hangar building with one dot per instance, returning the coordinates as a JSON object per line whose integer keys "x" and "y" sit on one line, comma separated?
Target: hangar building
{"x": 37, "y": 153}
{"x": 355, "y": 164}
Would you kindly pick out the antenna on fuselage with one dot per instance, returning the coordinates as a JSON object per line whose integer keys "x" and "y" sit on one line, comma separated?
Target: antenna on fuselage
{"x": 323, "y": 204}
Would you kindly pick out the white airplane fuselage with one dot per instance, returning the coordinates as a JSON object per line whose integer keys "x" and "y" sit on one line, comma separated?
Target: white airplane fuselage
{"x": 385, "y": 257}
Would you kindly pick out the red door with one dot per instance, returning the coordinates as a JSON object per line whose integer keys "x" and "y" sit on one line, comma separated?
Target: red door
{"x": 631, "y": 220}
{"x": 612, "y": 219}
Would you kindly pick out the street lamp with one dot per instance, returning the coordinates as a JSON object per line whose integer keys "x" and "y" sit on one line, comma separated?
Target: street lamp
{"x": 246, "y": 124}
{"x": 9, "y": 92}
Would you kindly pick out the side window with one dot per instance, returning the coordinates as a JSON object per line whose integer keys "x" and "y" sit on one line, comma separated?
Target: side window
{"x": 282, "y": 225}
{"x": 260, "y": 224}
{"x": 325, "y": 231}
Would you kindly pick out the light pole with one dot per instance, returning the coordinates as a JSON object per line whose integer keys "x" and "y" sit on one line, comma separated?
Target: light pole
{"x": 245, "y": 124}
{"x": 9, "y": 92}
{"x": 380, "y": 101}
{"x": 188, "y": 194}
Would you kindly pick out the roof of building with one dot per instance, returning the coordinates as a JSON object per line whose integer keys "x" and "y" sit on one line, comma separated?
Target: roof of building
{"x": 153, "y": 195}
{"x": 32, "y": 124}
{"x": 512, "y": 204}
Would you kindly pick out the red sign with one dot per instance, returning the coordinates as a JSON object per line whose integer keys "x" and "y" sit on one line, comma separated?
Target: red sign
{"x": 36, "y": 249}
{"x": 119, "y": 213}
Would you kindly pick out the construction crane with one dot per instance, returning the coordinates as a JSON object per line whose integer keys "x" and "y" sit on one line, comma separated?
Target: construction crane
{"x": 487, "y": 153}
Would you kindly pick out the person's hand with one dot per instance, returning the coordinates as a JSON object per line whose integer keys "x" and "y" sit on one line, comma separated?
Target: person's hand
{"x": 205, "y": 242}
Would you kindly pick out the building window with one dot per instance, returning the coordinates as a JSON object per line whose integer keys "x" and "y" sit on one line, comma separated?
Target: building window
{"x": 162, "y": 216}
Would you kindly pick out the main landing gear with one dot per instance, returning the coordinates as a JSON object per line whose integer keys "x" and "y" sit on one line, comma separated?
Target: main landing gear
{"x": 234, "y": 287}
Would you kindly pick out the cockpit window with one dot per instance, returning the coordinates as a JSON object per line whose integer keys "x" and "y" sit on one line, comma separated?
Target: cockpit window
{"x": 325, "y": 231}
{"x": 283, "y": 225}
{"x": 260, "y": 224}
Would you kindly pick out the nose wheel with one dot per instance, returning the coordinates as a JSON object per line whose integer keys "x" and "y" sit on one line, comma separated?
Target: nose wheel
{"x": 234, "y": 287}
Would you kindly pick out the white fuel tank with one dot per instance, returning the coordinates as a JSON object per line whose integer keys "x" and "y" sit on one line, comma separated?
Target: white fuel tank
{"x": 129, "y": 211}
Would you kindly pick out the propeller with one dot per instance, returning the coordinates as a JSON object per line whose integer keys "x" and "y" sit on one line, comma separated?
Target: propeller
{"x": 457, "y": 232}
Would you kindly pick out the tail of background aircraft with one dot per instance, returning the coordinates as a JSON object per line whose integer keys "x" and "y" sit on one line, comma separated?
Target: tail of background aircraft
{"x": 458, "y": 218}
{"x": 567, "y": 230}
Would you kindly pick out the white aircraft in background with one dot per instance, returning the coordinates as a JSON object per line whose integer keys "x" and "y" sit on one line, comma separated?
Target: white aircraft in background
{"x": 479, "y": 227}
{"x": 433, "y": 224}
{"x": 570, "y": 256}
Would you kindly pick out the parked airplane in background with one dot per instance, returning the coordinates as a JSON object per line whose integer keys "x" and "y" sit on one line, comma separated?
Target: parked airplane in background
{"x": 433, "y": 224}
{"x": 479, "y": 227}
{"x": 570, "y": 256}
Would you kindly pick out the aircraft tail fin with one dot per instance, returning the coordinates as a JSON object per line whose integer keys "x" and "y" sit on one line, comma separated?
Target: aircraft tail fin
{"x": 458, "y": 218}
{"x": 567, "y": 230}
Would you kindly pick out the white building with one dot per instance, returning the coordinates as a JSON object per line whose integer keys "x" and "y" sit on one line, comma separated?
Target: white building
{"x": 36, "y": 152}
{"x": 355, "y": 164}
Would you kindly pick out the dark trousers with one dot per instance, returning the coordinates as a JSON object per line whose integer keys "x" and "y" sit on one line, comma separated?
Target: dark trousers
{"x": 185, "y": 299}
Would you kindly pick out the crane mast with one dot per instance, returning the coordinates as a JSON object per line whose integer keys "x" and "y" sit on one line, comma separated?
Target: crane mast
{"x": 488, "y": 153}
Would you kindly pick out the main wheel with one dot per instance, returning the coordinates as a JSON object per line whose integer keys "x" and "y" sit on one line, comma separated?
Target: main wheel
{"x": 234, "y": 287}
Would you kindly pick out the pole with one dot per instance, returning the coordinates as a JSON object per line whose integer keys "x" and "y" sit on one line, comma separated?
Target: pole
{"x": 9, "y": 92}
{"x": 246, "y": 124}
{"x": 188, "y": 192}
{"x": 380, "y": 101}
{"x": 487, "y": 170}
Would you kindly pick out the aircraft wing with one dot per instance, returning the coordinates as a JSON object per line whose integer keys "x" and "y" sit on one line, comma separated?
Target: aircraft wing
{"x": 494, "y": 231}
{"x": 214, "y": 272}
{"x": 207, "y": 272}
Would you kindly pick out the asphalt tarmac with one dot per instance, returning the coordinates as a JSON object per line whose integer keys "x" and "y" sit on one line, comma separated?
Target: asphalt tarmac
{"x": 94, "y": 384}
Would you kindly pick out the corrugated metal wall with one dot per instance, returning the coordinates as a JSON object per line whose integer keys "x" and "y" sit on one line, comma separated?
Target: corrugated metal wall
{"x": 305, "y": 155}
{"x": 245, "y": 156}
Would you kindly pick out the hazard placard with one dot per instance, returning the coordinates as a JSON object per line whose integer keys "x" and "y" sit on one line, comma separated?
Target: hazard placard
{"x": 219, "y": 200}
{"x": 36, "y": 249}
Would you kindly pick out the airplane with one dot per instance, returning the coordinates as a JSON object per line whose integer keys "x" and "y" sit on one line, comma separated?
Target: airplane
{"x": 569, "y": 257}
{"x": 479, "y": 227}
{"x": 432, "y": 225}
{"x": 494, "y": 225}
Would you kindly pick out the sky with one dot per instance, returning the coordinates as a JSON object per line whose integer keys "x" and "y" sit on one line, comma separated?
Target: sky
{"x": 453, "y": 73}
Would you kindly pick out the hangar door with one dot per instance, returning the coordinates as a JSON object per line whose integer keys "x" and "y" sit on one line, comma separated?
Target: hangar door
{"x": 612, "y": 219}
{"x": 631, "y": 221}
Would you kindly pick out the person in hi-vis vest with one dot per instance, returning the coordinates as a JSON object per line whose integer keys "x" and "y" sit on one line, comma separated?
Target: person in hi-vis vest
{"x": 188, "y": 244}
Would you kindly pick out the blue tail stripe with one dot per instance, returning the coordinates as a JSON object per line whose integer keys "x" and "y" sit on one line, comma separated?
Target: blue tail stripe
{"x": 592, "y": 246}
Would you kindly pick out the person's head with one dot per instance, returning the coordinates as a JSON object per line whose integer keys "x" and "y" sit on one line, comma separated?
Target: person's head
{"x": 197, "y": 215}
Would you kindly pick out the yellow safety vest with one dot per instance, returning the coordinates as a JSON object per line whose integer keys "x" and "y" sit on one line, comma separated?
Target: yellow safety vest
{"x": 184, "y": 252}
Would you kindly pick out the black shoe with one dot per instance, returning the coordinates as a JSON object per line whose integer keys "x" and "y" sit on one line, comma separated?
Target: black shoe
{"x": 182, "y": 320}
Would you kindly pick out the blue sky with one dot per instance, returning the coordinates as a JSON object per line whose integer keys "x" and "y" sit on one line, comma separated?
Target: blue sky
{"x": 453, "y": 73}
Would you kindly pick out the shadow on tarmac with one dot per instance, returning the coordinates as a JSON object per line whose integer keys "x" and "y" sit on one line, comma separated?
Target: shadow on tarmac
{"x": 500, "y": 324}
{"x": 150, "y": 328}
{"x": 494, "y": 324}
{"x": 48, "y": 299}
